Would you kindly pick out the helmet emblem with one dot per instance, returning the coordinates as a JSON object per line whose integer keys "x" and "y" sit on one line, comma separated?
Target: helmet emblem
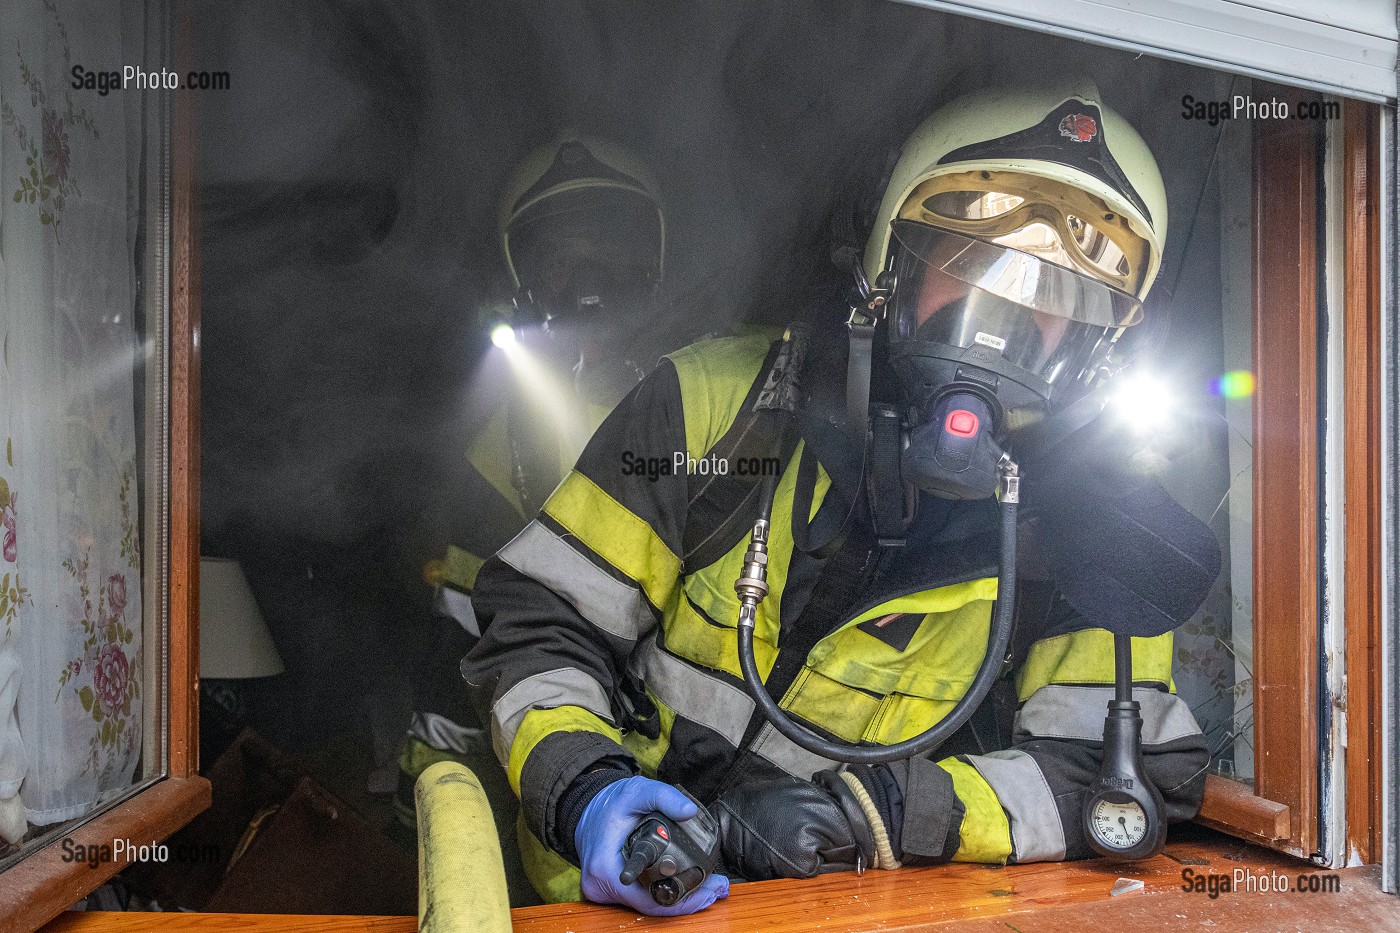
{"x": 1079, "y": 127}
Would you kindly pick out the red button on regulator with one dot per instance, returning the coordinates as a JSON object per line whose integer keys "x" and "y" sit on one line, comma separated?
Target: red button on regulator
{"x": 962, "y": 423}
{"x": 661, "y": 831}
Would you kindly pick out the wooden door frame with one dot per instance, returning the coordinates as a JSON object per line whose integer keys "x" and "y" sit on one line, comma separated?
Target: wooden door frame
{"x": 1287, "y": 471}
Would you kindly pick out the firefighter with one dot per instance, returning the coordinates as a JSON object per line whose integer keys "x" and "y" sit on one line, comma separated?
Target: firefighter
{"x": 582, "y": 232}
{"x": 1018, "y": 232}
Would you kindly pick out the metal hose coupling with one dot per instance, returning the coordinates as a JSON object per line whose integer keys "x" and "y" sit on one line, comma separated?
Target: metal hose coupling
{"x": 1010, "y": 480}
{"x": 752, "y": 585}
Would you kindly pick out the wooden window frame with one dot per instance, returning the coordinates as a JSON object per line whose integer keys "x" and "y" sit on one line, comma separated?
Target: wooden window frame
{"x": 1283, "y": 809}
{"x": 1362, "y": 323}
{"x": 42, "y": 885}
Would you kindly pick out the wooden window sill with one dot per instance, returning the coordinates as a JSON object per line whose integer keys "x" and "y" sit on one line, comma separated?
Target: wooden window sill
{"x": 1070, "y": 896}
{"x": 43, "y": 885}
{"x": 1233, "y": 808}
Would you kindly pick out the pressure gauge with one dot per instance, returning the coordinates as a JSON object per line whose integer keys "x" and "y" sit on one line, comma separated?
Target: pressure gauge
{"x": 1118, "y": 824}
{"x": 1124, "y": 815}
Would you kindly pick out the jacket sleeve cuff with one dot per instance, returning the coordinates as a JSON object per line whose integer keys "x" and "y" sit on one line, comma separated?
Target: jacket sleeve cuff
{"x": 575, "y": 800}
{"x": 933, "y": 814}
{"x": 554, "y": 764}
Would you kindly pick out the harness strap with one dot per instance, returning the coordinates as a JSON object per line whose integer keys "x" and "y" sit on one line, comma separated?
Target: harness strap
{"x": 858, "y": 377}
{"x": 830, "y": 521}
{"x": 885, "y": 485}
{"x": 722, "y": 512}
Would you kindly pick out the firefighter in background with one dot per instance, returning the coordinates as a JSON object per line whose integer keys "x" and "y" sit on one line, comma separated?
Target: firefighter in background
{"x": 1024, "y": 228}
{"x": 583, "y": 236}
{"x": 583, "y": 233}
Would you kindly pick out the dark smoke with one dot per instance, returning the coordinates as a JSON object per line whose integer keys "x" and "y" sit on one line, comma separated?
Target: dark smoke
{"x": 349, "y": 182}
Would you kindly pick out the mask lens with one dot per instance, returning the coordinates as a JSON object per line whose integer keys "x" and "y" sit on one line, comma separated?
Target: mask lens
{"x": 1048, "y": 219}
{"x": 1019, "y": 276}
{"x": 1092, "y": 247}
{"x": 600, "y": 245}
{"x": 933, "y": 305}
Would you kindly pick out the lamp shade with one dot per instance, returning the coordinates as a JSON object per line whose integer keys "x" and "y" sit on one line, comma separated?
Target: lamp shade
{"x": 234, "y": 642}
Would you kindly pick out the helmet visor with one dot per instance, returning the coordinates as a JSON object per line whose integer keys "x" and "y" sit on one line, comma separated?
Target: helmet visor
{"x": 962, "y": 292}
{"x": 1016, "y": 276}
{"x": 591, "y": 244}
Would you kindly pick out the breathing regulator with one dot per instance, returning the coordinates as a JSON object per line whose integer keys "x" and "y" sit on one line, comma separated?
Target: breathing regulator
{"x": 1018, "y": 234}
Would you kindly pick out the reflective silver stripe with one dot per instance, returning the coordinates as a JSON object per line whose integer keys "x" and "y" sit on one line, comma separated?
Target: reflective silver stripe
{"x": 445, "y": 735}
{"x": 608, "y": 603}
{"x": 693, "y": 694}
{"x": 777, "y": 748}
{"x": 1036, "y": 831}
{"x": 1061, "y": 712}
{"x": 458, "y": 606}
{"x": 565, "y": 686}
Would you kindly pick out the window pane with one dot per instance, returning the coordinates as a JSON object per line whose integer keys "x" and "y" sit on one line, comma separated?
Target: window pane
{"x": 1214, "y": 651}
{"x": 82, "y": 313}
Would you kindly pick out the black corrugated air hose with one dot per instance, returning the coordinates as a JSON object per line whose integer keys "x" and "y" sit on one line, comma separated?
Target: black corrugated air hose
{"x": 752, "y": 587}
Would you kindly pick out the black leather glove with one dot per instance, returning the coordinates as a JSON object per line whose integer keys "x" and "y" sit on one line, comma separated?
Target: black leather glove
{"x": 790, "y": 828}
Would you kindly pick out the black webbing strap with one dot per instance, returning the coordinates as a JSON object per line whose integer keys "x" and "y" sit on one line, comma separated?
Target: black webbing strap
{"x": 885, "y": 485}
{"x": 720, "y": 512}
{"x": 858, "y": 378}
{"x": 726, "y": 513}
{"x": 723, "y": 510}
{"x": 819, "y": 536}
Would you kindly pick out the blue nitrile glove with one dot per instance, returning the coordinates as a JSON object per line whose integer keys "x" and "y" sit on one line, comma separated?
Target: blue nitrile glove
{"x": 607, "y": 821}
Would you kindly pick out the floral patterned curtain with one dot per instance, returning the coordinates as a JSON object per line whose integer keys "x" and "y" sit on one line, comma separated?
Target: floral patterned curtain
{"x": 70, "y": 560}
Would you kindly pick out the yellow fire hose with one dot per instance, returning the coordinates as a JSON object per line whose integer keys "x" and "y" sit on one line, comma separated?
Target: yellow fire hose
{"x": 461, "y": 881}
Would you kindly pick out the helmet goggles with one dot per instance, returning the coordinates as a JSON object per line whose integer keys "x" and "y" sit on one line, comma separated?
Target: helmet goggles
{"x": 1059, "y": 223}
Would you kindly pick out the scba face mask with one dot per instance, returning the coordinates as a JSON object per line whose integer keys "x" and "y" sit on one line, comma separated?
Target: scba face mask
{"x": 589, "y": 266}
{"x": 983, "y": 339}
{"x": 1019, "y": 230}
{"x": 588, "y": 248}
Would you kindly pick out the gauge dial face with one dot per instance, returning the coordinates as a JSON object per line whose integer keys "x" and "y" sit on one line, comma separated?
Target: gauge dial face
{"x": 1119, "y": 825}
